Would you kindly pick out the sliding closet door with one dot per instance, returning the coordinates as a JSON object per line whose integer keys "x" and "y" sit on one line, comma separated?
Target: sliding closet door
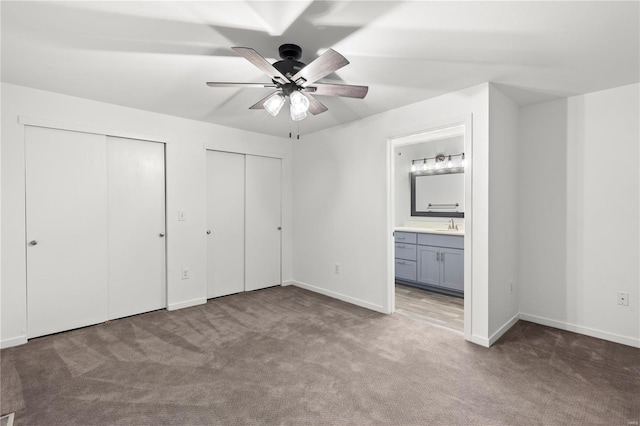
{"x": 263, "y": 221}
{"x": 225, "y": 222}
{"x": 66, "y": 206}
{"x": 136, "y": 224}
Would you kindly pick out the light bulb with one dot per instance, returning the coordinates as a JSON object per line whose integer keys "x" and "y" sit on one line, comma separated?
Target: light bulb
{"x": 273, "y": 105}
{"x": 449, "y": 163}
{"x": 463, "y": 161}
{"x": 424, "y": 164}
{"x": 413, "y": 167}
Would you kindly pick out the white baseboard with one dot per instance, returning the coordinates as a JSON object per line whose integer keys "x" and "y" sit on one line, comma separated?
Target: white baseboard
{"x": 339, "y": 296}
{"x": 186, "y": 304}
{"x": 604, "y": 335}
{"x": 505, "y": 327}
{"x": 478, "y": 340}
{"x": 14, "y": 341}
{"x": 289, "y": 282}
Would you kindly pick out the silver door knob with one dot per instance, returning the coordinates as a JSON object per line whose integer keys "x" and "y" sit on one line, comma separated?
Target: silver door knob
{"x": 279, "y": 228}
{"x": 33, "y": 242}
{"x": 208, "y": 231}
{"x": 161, "y": 235}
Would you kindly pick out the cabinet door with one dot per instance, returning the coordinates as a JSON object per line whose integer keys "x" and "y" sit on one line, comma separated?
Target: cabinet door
{"x": 452, "y": 268}
{"x": 428, "y": 265}
{"x": 66, "y": 190}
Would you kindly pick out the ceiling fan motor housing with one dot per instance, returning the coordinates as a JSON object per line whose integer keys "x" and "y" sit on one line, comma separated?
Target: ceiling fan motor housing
{"x": 289, "y": 65}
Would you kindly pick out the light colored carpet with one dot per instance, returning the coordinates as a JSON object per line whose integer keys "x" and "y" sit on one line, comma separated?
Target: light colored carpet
{"x": 288, "y": 356}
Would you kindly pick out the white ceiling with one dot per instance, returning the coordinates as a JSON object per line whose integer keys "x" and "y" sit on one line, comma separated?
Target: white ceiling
{"x": 157, "y": 56}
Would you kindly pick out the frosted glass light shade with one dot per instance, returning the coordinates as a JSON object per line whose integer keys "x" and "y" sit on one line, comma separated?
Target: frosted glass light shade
{"x": 299, "y": 106}
{"x": 297, "y": 115}
{"x": 274, "y": 104}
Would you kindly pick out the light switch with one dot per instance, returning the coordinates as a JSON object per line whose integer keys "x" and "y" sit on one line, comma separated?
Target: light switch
{"x": 181, "y": 215}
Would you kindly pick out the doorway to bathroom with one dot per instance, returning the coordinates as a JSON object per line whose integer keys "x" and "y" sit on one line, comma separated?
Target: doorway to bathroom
{"x": 430, "y": 218}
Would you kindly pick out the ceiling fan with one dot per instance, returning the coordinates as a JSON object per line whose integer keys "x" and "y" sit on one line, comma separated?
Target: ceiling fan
{"x": 296, "y": 81}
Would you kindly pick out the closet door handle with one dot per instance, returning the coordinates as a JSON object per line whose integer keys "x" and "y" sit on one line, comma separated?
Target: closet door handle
{"x": 279, "y": 228}
{"x": 208, "y": 231}
{"x": 33, "y": 243}
{"x": 161, "y": 235}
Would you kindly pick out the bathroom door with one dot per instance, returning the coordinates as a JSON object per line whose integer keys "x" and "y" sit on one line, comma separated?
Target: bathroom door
{"x": 263, "y": 222}
{"x": 66, "y": 214}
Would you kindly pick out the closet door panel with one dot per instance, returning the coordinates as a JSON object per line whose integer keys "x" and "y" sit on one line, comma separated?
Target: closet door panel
{"x": 263, "y": 197}
{"x": 225, "y": 220}
{"x": 66, "y": 206}
{"x": 136, "y": 226}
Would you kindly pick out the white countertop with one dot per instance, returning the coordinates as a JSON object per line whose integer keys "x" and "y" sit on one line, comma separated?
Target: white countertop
{"x": 422, "y": 230}
{"x": 425, "y": 227}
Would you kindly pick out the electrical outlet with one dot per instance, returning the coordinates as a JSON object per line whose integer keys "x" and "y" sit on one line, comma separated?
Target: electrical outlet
{"x": 336, "y": 268}
{"x": 182, "y": 216}
{"x": 623, "y": 298}
{"x": 185, "y": 273}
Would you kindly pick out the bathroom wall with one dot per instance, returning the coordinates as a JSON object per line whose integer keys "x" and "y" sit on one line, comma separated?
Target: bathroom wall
{"x": 402, "y": 166}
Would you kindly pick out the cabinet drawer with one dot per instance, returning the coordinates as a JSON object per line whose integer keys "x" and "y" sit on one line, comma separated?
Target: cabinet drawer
{"x": 406, "y": 237}
{"x": 405, "y": 251}
{"x": 406, "y": 269}
{"x": 452, "y": 241}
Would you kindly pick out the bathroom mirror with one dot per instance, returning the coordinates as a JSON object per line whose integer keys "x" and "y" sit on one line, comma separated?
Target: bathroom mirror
{"x": 437, "y": 195}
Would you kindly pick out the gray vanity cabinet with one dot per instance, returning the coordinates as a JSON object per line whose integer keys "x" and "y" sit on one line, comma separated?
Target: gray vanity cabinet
{"x": 441, "y": 266}
{"x": 432, "y": 261}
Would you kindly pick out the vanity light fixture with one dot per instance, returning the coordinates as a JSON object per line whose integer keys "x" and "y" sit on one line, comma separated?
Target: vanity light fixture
{"x": 438, "y": 165}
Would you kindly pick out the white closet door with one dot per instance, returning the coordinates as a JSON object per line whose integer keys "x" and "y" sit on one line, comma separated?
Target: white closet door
{"x": 225, "y": 220}
{"x": 66, "y": 196}
{"x": 136, "y": 225}
{"x": 263, "y": 220}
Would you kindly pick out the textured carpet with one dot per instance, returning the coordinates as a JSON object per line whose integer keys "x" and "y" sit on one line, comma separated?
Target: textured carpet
{"x": 288, "y": 356}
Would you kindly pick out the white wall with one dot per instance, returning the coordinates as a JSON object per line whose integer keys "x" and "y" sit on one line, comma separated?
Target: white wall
{"x": 579, "y": 213}
{"x": 402, "y": 180}
{"x": 503, "y": 213}
{"x": 340, "y": 196}
{"x": 186, "y": 188}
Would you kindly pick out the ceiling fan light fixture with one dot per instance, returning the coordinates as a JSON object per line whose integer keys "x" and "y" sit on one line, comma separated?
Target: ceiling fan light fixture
{"x": 299, "y": 106}
{"x": 274, "y": 104}
{"x": 297, "y": 115}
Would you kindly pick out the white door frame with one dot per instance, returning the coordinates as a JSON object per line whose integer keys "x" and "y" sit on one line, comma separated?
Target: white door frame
{"x": 458, "y": 126}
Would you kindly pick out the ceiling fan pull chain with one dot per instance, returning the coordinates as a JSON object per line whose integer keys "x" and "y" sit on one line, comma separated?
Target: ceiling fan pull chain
{"x": 298, "y": 130}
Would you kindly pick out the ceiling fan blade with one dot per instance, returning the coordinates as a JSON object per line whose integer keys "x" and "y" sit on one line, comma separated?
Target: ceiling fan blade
{"x": 259, "y": 61}
{"x": 315, "y": 106}
{"x": 344, "y": 90}
{"x": 243, "y": 85}
{"x": 322, "y": 66}
{"x": 260, "y": 103}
